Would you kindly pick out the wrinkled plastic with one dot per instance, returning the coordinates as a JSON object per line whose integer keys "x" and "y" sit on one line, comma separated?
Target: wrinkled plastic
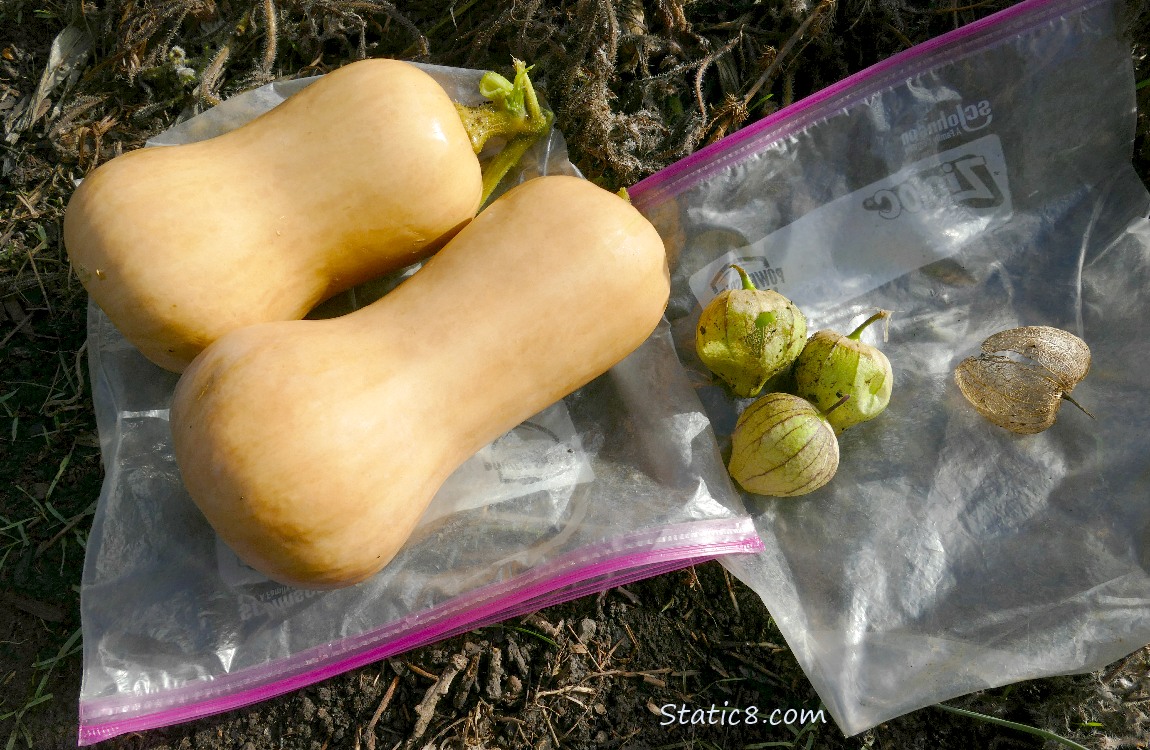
{"x": 975, "y": 183}
{"x": 620, "y": 480}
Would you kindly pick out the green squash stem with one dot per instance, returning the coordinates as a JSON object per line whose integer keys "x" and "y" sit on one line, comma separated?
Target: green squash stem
{"x": 513, "y": 112}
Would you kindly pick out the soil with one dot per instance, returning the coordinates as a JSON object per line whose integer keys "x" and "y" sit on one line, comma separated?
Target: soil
{"x": 636, "y": 84}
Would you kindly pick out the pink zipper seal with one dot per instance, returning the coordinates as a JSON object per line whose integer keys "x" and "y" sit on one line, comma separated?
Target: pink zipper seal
{"x": 580, "y": 573}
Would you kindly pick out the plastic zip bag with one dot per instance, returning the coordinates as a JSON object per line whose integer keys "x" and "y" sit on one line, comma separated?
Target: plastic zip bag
{"x": 976, "y": 182}
{"x": 619, "y": 481}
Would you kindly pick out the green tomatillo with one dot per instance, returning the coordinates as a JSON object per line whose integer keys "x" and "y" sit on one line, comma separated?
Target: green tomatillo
{"x": 747, "y": 336}
{"x": 783, "y": 446}
{"x": 832, "y": 366}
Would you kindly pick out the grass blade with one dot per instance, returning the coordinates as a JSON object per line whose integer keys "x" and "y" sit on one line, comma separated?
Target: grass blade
{"x": 1013, "y": 725}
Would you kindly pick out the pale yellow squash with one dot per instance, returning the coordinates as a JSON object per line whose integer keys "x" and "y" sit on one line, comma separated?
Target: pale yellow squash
{"x": 313, "y": 446}
{"x": 365, "y": 171}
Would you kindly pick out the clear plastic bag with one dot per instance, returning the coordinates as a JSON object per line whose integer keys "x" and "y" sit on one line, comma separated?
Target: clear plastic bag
{"x": 974, "y": 183}
{"x": 620, "y": 480}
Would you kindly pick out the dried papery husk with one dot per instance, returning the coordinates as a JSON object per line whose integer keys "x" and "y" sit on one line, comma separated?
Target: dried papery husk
{"x": 1024, "y": 397}
{"x": 1066, "y": 356}
{"x": 783, "y": 446}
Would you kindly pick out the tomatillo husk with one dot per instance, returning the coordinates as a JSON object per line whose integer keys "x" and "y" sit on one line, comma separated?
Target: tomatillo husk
{"x": 783, "y": 446}
{"x": 1024, "y": 397}
{"x": 832, "y": 365}
{"x": 747, "y": 336}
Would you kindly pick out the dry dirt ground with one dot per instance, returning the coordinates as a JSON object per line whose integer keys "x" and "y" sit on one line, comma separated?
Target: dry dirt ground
{"x": 636, "y": 84}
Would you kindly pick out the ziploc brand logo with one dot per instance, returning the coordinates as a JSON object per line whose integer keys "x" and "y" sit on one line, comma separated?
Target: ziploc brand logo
{"x": 927, "y": 210}
{"x": 965, "y": 181}
{"x": 963, "y": 118}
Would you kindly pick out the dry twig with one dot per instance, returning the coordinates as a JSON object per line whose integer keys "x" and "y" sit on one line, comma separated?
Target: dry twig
{"x": 425, "y": 710}
{"x": 369, "y": 730}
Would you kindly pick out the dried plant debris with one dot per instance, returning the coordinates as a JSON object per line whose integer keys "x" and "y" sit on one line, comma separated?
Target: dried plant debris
{"x": 634, "y": 85}
{"x": 1024, "y": 396}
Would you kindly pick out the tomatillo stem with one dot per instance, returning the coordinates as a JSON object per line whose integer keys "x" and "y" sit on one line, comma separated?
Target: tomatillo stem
{"x": 1069, "y": 398}
{"x": 854, "y": 336}
{"x": 747, "y": 283}
{"x": 837, "y": 404}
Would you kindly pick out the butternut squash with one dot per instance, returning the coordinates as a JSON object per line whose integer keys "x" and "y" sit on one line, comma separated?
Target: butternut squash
{"x": 314, "y": 446}
{"x": 365, "y": 171}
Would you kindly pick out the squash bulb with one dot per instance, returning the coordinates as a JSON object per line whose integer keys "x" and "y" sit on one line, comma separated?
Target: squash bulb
{"x": 364, "y": 172}
{"x": 832, "y": 366}
{"x": 783, "y": 446}
{"x": 748, "y": 336}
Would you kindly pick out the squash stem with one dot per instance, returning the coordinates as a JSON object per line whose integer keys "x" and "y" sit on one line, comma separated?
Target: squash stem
{"x": 513, "y": 113}
{"x": 502, "y": 163}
